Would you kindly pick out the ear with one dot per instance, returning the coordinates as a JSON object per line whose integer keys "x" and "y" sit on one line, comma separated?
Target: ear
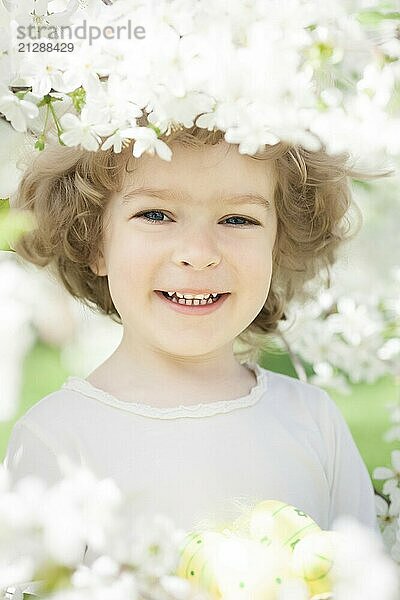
{"x": 99, "y": 267}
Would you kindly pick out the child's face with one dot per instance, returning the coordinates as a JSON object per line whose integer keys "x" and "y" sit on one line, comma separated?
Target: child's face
{"x": 194, "y": 244}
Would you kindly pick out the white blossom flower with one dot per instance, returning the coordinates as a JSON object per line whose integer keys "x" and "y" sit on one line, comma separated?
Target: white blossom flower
{"x": 392, "y": 476}
{"x": 178, "y": 109}
{"x": 85, "y": 129}
{"x": 388, "y": 516}
{"x": 117, "y": 139}
{"x": 45, "y": 72}
{"x": 312, "y": 339}
{"x": 41, "y": 12}
{"x": 84, "y": 67}
{"x": 378, "y": 81}
{"x": 386, "y": 511}
{"x": 183, "y": 70}
{"x": 112, "y": 102}
{"x": 390, "y": 349}
{"x": 101, "y": 580}
{"x": 85, "y": 9}
{"x": 353, "y": 322}
{"x": 361, "y": 569}
{"x": 17, "y": 111}
{"x": 150, "y": 543}
{"x": 44, "y": 525}
{"x": 147, "y": 141}
{"x": 250, "y": 139}
{"x": 170, "y": 65}
{"x": 364, "y": 364}
{"x": 393, "y": 433}
{"x": 5, "y": 19}
{"x": 10, "y": 150}
{"x": 27, "y": 12}
{"x": 326, "y": 377}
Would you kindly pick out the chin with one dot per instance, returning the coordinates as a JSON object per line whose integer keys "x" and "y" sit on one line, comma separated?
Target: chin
{"x": 190, "y": 350}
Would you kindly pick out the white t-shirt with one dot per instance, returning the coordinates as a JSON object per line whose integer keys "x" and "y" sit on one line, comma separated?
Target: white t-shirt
{"x": 285, "y": 440}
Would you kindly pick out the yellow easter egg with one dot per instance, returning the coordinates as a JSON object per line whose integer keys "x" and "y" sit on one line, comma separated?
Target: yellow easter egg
{"x": 276, "y": 522}
{"x": 195, "y": 563}
{"x": 312, "y": 560}
{"x": 246, "y": 569}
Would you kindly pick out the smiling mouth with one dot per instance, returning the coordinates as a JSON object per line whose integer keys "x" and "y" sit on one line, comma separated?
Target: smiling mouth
{"x": 192, "y": 302}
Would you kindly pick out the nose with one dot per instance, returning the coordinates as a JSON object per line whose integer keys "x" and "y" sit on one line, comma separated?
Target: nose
{"x": 196, "y": 248}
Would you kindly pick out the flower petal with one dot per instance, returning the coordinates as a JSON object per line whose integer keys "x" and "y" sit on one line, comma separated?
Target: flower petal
{"x": 138, "y": 148}
{"x": 163, "y": 150}
{"x": 389, "y": 486}
{"x": 396, "y": 460}
{"x": 382, "y": 473}
{"x": 69, "y": 120}
{"x": 381, "y": 506}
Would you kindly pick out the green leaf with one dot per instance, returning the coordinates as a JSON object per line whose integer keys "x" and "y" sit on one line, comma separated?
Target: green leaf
{"x": 48, "y": 99}
{"x": 13, "y": 224}
{"x": 374, "y": 17}
{"x": 40, "y": 143}
{"x": 365, "y": 185}
{"x": 155, "y": 128}
{"x": 45, "y": 100}
{"x": 54, "y": 577}
{"x": 21, "y": 94}
{"x": 4, "y": 203}
{"x": 78, "y": 97}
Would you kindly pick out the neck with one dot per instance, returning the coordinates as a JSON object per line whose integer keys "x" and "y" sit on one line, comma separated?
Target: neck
{"x": 143, "y": 362}
{"x": 161, "y": 379}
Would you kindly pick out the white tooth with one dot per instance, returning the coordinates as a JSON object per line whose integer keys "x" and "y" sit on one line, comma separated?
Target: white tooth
{"x": 179, "y": 295}
{"x": 174, "y": 300}
{"x": 199, "y": 296}
{"x": 209, "y": 301}
{"x": 181, "y": 301}
{"x": 196, "y": 302}
{"x": 203, "y": 301}
{"x": 214, "y": 295}
{"x": 188, "y": 296}
{"x": 170, "y": 293}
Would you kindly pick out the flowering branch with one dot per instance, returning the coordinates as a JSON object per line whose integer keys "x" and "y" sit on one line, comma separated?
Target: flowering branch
{"x": 333, "y": 74}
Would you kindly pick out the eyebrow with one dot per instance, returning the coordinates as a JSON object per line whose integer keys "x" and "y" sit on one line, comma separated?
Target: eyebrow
{"x": 170, "y": 195}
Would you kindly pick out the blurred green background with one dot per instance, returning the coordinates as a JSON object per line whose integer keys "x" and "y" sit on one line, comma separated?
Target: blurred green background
{"x": 364, "y": 409}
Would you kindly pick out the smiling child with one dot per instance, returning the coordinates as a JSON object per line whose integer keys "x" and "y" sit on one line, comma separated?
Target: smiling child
{"x": 192, "y": 256}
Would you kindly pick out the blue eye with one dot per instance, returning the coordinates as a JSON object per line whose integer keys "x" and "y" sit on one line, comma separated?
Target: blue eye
{"x": 149, "y": 212}
{"x": 160, "y": 212}
{"x": 243, "y": 219}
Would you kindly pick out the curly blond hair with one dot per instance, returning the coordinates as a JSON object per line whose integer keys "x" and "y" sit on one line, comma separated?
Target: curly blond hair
{"x": 67, "y": 190}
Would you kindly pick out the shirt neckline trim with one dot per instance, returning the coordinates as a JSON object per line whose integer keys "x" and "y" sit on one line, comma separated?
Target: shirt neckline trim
{"x": 83, "y": 386}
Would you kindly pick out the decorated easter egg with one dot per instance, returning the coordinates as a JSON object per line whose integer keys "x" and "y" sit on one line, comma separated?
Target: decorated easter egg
{"x": 244, "y": 568}
{"x": 195, "y": 564}
{"x": 226, "y": 565}
{"x": 253, "y": 557}
{"x": 312, "y": 560}
{"x": 276, "y": 522}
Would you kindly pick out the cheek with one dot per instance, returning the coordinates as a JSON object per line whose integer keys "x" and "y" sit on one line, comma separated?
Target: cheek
{"x": 256, "y": 273}
{"x": 131, "y": 256}
{"x": 255, "y": 258}
{"x": 128, "y": 268}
